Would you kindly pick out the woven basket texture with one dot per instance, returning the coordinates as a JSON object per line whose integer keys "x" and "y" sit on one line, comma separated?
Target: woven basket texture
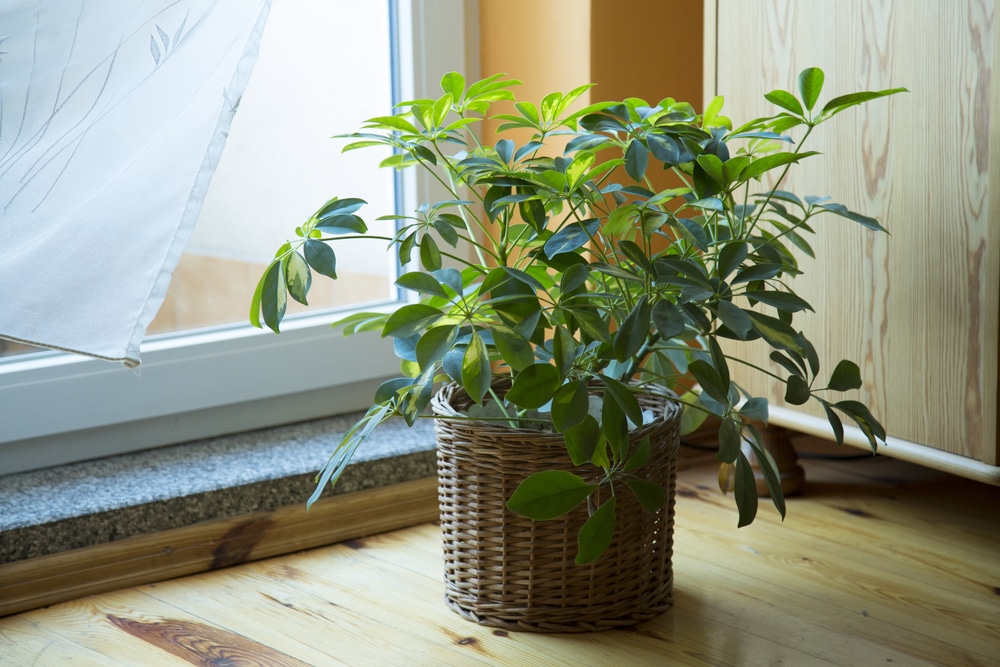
{"x": 507, "y": 571}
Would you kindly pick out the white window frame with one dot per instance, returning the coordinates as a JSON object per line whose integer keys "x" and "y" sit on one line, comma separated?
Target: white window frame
{"x": 58, "y": 408}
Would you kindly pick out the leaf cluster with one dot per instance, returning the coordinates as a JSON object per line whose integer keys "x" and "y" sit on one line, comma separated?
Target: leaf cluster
{"x": 572, "y": 270}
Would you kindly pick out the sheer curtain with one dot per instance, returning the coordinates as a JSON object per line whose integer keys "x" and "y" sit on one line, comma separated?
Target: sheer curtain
{"x": 113, "y": 116}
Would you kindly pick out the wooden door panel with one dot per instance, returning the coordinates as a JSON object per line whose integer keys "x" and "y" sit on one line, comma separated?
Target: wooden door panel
{"x": 917, "y": 309}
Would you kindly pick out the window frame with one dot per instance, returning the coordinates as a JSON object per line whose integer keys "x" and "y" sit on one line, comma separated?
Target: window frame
{"x": 58, "y": 408}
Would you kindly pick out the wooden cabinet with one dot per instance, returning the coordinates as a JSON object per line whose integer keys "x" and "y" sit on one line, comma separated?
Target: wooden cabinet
{"x": 917, "y": 309}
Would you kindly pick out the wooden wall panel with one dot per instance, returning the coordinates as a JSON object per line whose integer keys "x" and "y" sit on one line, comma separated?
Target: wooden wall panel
{"x": 917, "y": 309}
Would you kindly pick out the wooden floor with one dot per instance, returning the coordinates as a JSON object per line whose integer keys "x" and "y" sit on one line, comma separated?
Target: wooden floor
{"x": 879, "y": 563}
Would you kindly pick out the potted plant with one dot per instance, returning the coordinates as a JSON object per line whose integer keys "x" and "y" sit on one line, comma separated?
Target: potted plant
{"x": 590, "y": 299}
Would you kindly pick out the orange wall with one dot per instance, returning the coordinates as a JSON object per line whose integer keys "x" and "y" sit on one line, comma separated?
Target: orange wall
{"x": 647, "y": 48}
{"x": 629, "y": 48}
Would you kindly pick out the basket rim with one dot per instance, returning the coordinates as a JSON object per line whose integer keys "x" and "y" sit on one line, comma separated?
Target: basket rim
{"x": 442, "y": 409}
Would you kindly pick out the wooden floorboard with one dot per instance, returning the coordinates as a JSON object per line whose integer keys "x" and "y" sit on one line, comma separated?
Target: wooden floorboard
{"x": 879, "y": 562}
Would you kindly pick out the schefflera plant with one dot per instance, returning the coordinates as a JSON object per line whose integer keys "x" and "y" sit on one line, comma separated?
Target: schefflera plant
{"x": 586, "y": 277}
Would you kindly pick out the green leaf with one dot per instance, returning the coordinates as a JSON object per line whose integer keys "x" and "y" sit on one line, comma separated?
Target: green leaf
{"x": 709, "y": 203}
{"x": 788, "y": 364}
{"x": 529, "y": 111}
{"x": 623, "y": 396}
{"x": 410, "y": 319}
{"x": 345, "y": 449}
{"x": 321, "y": 258}
{"x": 476, "y": 374}
{"x": 735, "y": 319}
{"x": 592, "y": 324}
{"x": 582, "y": 440}
{"x": 719, "y": 360}
{"x": 533, "y": 212}
{"x": 838, "y": 104}
{"x": 576, "y": 172}
{"x": 755, "y": 409}
{"x": 342, "y": 224}
{"x": 391, "y": 123}
{"x": 797, "y": 390}
{"x": 694, "y": 233}
{"x": 452, "y": 278}
{"x": 414, "y": 400}
{"x": 423, "y": 283}
{"x": 549, "y": 494}
{"x": 445, "y": 230}
{"x": 273, "y": 296}
{"x": 772, "y": 161}
{"x": 769, "y": 469}
{"x": 573, "y": 278}
{"x": 785, "y": 301}
{"x": 776, "y": 332}
{"x": 712, "y": 166}
{"x": 785, "y": 100}
{"x": 515, "y": 349}
{"x": 649, "y": 494}
{"x": 729, "y": 440}
{"x": 757, "y": 271}
{"x": 636, "y": 254}
{"x": 863, "y": 220}
{"x": 664, "y": 148}
{"x": 421, "y": 152}
{"x": 563, "y": 350}
{"x": 430, "y": 256}
{"x": 298, "y": 277}
{"x": 730, "y": 258}
{"x": 570, "y": 405}
{"x": 870, "y": 426}
{"x": 639, "y": 456}
{"x": 835, "y": 423}
{"x": 668, "y": 319}
{"x": 614, "y": 426}
{"x": 534, "y": 386}
{"x": 621, "y": 220}
{"x": 810, "y": 86}
{"x": 596, "y": 534}
{"x": 336, "y": 207}
{"x": 571, "y": 237}
{"x": 633, "y": 332}
{"x": 635, "y": 160}
{"x": 389, "y": 389}
{"x": 453, "y": 83}
{"x": 746, "y": 491}
{"x": 405, "y": 249}
{"x": 846, "y": 376}
{"x": 709, "y": 380}
{"x": 435, "y": 342}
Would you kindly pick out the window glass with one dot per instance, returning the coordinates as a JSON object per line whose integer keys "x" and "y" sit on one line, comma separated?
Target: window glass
{"x": 204, "y": 370}
{"x": 312, "y": 79}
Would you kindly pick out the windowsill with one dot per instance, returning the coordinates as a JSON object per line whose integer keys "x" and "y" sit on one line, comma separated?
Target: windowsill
{"x": 94, "y": 502}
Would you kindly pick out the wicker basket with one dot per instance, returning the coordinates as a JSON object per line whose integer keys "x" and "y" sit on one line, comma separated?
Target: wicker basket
{"x": 507, "y": 571}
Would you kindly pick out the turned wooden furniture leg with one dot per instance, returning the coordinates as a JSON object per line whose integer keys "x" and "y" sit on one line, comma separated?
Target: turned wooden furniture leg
{"x": 778, "y": 443}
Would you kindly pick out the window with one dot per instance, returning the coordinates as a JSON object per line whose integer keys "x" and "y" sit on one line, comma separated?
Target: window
{"x": 57, "y": 408}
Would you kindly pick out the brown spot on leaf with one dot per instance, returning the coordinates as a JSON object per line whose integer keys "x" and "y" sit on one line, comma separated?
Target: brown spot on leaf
{"x": 204, "y": 645}
{"x": 236, "y": 545}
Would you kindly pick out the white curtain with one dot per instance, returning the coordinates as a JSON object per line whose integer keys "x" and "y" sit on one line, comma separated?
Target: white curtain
{"x": 113, "y": 115}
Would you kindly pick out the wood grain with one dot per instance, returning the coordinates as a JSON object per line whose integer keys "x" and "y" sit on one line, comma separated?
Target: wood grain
{"x": 878, "y": 562}
{"x": 39, "y": 581}
{"x": 918, "y": 309}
